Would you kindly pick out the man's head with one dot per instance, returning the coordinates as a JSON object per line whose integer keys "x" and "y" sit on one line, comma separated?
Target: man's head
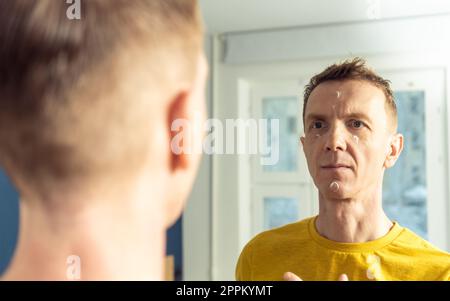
{"x": 350, "y": 124}
{"x": 89, "y": 103}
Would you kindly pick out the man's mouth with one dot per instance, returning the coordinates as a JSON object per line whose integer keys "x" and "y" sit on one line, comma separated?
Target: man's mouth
{"x": 336, "y": 166}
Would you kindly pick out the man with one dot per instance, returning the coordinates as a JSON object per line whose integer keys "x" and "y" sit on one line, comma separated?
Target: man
{"x": 86, "y": 108}
{"x": 350, "y": 125}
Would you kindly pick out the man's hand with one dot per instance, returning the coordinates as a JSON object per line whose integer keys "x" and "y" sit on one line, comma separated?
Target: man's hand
{"x": 288, "y": 276}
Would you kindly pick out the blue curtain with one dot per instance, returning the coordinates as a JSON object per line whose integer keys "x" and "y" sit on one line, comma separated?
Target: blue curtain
{"x": 9, "y": 217}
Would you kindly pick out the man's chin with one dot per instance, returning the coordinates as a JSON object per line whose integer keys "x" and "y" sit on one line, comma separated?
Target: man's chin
{"x": 334, "y": 190}
{"x": 336, "y": 196}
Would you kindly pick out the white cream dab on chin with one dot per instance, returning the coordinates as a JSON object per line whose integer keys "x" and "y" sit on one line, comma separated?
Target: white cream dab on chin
{"x": 334, "y": 186}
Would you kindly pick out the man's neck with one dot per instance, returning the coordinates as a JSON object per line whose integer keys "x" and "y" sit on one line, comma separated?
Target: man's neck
{"x": 107, "y": 241}
{"x": 352, "y": 220}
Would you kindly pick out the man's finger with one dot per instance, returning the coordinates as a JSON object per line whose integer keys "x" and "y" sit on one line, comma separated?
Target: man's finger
{"x": 343, "y": 277}
{"x": 288, "y": 276}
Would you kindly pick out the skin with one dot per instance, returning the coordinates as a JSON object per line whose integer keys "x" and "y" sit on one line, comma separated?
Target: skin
{"x": 349, "y": 142}
{"x": 117, "y": 227}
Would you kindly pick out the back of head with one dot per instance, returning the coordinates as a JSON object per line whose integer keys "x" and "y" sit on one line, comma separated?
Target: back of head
{"x": 76, "y": 96}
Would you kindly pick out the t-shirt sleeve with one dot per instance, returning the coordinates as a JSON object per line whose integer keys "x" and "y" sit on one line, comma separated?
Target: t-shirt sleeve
{"x": 243, "y": 267}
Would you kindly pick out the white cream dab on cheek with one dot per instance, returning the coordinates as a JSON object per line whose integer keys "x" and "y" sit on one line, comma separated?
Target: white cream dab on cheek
{"x": 356, "y": 138}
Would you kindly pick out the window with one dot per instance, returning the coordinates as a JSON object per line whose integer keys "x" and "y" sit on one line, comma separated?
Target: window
{"x": 405, "y": 185}
{"x": 282, "y": 193}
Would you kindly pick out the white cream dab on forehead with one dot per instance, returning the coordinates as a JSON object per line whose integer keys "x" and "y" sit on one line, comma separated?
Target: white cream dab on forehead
{"x": 338, "y": 94}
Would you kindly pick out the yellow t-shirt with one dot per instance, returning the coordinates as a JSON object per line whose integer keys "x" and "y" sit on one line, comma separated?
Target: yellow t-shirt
{"x": 298, "y": 248}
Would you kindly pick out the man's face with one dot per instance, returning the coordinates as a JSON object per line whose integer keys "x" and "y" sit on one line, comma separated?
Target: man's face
{"x": 347, "y": 138}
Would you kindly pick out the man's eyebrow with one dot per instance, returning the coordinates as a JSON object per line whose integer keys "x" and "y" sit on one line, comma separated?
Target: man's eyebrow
{"x": 356, "y": 115}
{"x": 315, "y": 116}
{"x": 359, "y": 115}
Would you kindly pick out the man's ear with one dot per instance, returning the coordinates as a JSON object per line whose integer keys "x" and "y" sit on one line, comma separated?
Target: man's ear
{"x": 394, "y": 150}
{"x": 302, "y": 140}
{"x": 184, "y": 155}
{"x": 185, "y": 121}
{"x": 186, "y": 117}
{"x": 179, "y": 130}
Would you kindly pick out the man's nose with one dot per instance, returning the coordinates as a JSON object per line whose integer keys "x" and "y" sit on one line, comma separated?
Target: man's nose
{"x": 335, "y": 140}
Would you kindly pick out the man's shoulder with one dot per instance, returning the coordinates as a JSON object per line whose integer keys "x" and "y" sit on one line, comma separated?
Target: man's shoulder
{"x": 420, "y": 246}
{"x": 423, "y": 254}
{"x": 294, "y": 232}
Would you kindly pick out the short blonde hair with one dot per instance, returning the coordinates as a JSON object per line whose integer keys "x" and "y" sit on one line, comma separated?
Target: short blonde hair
{"x": 57, "y": 80}
{"x": 354, "y": 69}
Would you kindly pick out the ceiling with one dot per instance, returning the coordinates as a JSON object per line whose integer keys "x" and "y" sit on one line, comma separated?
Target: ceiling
{"x": 222, "y": 16}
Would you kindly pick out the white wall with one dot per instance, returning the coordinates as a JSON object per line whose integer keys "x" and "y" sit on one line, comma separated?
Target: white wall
{"x": 237, "y": 15}
{"x": 371, "y": 37}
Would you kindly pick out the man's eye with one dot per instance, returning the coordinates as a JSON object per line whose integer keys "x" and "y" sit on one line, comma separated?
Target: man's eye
{"x": 317, "y": 125}
{"x": 357, "y": 124}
